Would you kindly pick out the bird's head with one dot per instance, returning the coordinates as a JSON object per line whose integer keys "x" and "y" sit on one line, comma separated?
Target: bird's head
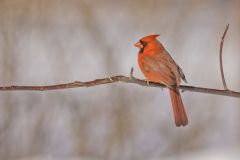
{"x": 143, "y": 42}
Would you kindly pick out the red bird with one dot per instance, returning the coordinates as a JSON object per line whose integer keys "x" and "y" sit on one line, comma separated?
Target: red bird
{"x": 158, "y": 66}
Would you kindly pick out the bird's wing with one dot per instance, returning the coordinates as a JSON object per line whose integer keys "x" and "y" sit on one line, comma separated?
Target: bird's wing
{"x": 159, "y": 68}
{"x": 176, "y": 67}
{"x": 182, "y": 74}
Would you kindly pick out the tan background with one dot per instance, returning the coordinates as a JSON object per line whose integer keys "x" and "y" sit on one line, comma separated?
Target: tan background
{"x": 47, "y": 42}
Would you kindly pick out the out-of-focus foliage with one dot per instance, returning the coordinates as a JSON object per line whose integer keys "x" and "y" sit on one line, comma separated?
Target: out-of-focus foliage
{"x": 56, "y": 41}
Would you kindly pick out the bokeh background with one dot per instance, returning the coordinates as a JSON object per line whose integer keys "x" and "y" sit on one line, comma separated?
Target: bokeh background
{"x": 48, "y": 42}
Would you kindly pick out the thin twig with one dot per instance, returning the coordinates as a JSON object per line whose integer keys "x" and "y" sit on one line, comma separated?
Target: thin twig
{"x": 131, "y": 72}
{"x": 220, "y": 58}
{"x": 119, "y": 78}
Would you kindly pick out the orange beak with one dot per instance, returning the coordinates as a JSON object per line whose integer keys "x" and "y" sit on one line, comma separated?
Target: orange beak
{"x": 138, "y": 45}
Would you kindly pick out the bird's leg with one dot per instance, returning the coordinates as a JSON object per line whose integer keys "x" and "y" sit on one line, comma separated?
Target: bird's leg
{"x": 110, "y": 78}
{"x": 148, "y": 84}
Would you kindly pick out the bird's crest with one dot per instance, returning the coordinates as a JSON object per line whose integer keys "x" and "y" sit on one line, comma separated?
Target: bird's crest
{"x": 149, "y": 38}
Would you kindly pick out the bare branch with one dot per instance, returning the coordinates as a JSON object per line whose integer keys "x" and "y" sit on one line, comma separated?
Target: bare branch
{"x": 119, "y": 78}
{"x": 132, "y": 79}
{"x": 220, "y": 58}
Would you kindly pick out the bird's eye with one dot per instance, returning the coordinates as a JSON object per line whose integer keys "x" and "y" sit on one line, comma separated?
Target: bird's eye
{"x": 143, "y": 46}
{"x": 143, "y": 43}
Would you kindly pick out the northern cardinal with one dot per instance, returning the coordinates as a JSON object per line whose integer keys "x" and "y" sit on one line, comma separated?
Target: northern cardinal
{"x": 158, "y": 66}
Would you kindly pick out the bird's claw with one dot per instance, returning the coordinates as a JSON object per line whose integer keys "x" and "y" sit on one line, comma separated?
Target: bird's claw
{"x": 110, "y": 78}
{"x": 148, "y": 82}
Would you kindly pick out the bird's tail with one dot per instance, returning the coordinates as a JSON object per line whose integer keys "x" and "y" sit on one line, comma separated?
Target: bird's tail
{"x": 180, "y": 115}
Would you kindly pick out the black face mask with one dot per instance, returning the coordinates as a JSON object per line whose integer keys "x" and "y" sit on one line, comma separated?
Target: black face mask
{"x": 144, "y": 45}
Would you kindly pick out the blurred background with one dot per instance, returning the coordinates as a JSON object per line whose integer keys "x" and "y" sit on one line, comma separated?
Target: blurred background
{"x": 46, "y": 42}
